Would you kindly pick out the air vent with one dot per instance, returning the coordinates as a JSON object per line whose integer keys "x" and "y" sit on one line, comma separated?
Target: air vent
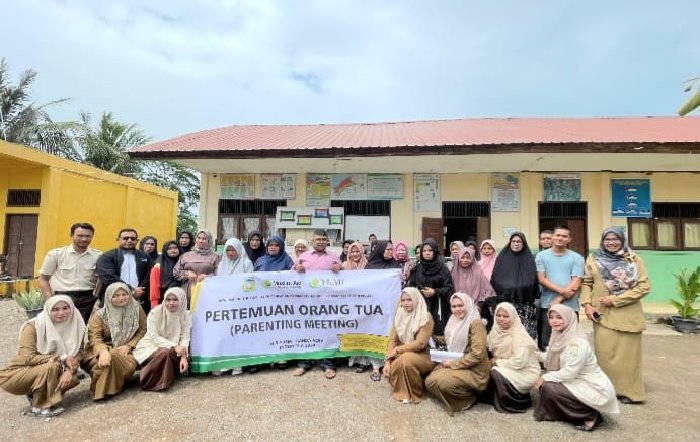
{"x": 23, "y": 198}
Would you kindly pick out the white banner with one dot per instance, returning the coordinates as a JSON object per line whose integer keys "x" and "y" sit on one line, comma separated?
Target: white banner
{"x": 276, "y": 316}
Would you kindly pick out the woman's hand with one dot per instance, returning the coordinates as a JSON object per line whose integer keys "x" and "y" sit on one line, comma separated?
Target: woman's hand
{"x": 64, "y": 381}
{"x": 200, "y": 278}
{"x": 72, "y": 364}
{"x": 387, "y": 368}
{"x": 104, "y": 359}
{"x": 538, "y": 383}
{"x": 181, "y": 351}
{"x": 183, "y": 364}
{"x": 428, "y": 292}
{"x": 391, "y": 354}
{"x": 191, "y": 275}
{"x": 124, "y": 350}
{"x": 606, "y": 301}
{"x": 492, "y": 361}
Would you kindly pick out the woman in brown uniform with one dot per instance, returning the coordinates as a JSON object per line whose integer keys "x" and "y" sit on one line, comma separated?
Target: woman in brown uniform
{"x": 614, "y": 283}
{"x": 49, "y": 354}
{"x": 408, "y": 354}
{"x": 113, "y": 332}
{"x": 458, "y": 382}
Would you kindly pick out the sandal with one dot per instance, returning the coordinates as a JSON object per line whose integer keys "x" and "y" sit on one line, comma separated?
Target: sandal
{"x": 583, "y": 427}
{"x": 375, "y": 376}
{"x": 300, "y": 371}
{"x": 330, "y": 373}
{"x": 361, "y": 369}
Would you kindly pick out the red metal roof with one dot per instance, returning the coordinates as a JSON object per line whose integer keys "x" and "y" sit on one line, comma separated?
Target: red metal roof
{"x": 465, "y": 132}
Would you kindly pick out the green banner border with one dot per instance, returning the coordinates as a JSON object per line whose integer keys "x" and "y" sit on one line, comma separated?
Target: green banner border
{"x": 204, "y": 364}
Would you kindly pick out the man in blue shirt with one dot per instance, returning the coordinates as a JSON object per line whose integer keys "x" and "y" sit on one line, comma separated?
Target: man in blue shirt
{"x": 559, "y": 272}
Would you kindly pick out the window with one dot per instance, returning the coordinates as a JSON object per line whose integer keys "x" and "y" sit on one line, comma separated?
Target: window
{"x": 674, "y": 226}
{"x": 23, "y": 198}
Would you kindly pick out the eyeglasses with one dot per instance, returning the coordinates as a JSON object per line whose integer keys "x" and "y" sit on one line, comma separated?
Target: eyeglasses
{"x": 128, "y": 238}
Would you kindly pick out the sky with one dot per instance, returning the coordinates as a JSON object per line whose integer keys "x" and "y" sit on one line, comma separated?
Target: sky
{"x": 176, "y": 67}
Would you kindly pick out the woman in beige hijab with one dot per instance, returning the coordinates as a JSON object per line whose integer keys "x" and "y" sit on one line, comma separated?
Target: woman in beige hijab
{"x": 113, "y": 332}
{"x": 408, "y": 354}
{"x": 162, "y": 353}
{"x": 458, "y": 382}
{"x": 514, "y": 361}
{"x": 48, "y": 356}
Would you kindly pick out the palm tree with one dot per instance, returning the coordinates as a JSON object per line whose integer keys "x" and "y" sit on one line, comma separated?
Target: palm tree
{"x": 106, "y": 146}
{"x": 694, "y": 101}
{"x": 25, "y": 122}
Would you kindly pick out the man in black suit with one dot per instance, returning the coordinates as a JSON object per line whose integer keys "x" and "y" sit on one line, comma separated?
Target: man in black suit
{"x": 128, "y": 265}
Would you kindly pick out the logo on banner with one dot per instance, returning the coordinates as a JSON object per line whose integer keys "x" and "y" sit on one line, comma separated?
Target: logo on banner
{"x": 315, "y": 283}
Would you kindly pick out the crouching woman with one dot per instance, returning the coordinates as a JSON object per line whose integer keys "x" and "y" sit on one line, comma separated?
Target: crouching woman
{"x": 408, "y": 353}
{"x": 162, "y": 353}
{"x": 113, "y": 332}
{"x": 48, "y": 356}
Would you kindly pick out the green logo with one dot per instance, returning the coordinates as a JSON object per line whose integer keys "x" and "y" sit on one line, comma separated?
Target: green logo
{"x": 314, "y": 283}
{"x": 267, "y": 283}
{"x": 249, "y": 284}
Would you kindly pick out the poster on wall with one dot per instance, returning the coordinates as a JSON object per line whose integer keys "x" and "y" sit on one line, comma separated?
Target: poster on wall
{"x": 318, "y": 190}
{"x": 426, "y": 192}
{"x": 384, "y": 187}
{"x": 562, "y": 187}
{"x": 349, "y": 186}
{"x": 505, "y": 192}
{"x": 237, "y": 186}
{"x": 278, "y": 186}
{"x": 631, "y": 198}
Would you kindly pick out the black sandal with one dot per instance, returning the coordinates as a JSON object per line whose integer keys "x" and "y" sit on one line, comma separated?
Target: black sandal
{"x": 361, "y": 369}
{"x": 375, "y": 376}
{"x": 596, "y": 423}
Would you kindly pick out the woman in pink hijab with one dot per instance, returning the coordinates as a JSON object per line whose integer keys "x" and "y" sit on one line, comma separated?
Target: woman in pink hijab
{"x": 488, "y": 257}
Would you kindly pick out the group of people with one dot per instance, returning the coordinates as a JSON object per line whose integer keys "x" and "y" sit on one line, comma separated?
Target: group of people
{"x": 504, "y": 313}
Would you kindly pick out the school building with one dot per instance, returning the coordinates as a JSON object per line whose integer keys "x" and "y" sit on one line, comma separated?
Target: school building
{"x": 457, "y": 180}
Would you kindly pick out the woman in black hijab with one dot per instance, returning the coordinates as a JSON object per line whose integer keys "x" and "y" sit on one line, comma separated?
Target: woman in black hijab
{"x": 514, "y": 278}
{"x": 161, "y": 278}
{"x": 382, "y": 257}
{"x": 255, "y": 248}
{"x": 185, "y": 240}
{"x": 432, "y": 278}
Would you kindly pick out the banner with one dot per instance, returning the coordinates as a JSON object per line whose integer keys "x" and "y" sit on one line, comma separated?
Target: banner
{"x": 264, "y": 317}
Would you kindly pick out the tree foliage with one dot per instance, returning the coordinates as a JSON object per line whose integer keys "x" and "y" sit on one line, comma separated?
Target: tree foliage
{"x": 694, "y": 101}
{"x": 104, "y": 144}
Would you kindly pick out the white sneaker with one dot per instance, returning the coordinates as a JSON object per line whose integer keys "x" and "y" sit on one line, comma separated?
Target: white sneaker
{"x": 217, "y": 372}
{"x": 236, "y": 371}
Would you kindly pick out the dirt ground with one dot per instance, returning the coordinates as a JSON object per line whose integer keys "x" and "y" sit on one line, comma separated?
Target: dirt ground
{"x": 274, "y": 405}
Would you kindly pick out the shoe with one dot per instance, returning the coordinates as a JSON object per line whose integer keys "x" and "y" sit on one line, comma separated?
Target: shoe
{"x": 252, "y": 369}
{"x": 375, "y": 376}
{"x": 53, "y": 411}
{"x": 81, "y": 374}
{"x": 217, "y": 372}
{"x": 236, "y": 371}
{"x": 361, "y": 369}
{"x": 596, "y": 423}
{"x": 627, "y": 401}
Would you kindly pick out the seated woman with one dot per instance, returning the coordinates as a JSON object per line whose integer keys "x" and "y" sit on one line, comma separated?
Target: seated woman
{"x": 48, "y": 355}
{"x": 408, "y": 354}
{"x": 574, "y": 388}
{"x": 113, "y": 332}
{"x": 275, "y": 258}
{"x": 162, "y": 353}
{"x": 514, "y": 361}
{"x": 234, "y": 260}
{"x": 458, "y": 382}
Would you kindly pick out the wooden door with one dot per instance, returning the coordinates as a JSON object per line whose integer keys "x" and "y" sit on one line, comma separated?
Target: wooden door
{"x": 578, "y": 236}
{"x": 20, "y": 244}
{"x": 483, "y": 229}
{"x": 434, "y": 228}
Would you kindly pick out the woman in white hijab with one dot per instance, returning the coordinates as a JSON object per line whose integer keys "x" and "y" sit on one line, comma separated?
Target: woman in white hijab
{"x": 458, "y": 382}
{"x": 574, "y": 388}
{"x": 408, "y": 354}
{"x": 234, "y": 260}
{"x": 48, "y": 356}
{"x": 162, "y": 353}
{"x": 113, "y": 332}
{"x": 514, "y": 361}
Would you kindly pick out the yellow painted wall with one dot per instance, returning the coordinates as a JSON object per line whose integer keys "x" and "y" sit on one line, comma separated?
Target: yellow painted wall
{"x": 73, "y": 192}
{"x": 406, "y": 224}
